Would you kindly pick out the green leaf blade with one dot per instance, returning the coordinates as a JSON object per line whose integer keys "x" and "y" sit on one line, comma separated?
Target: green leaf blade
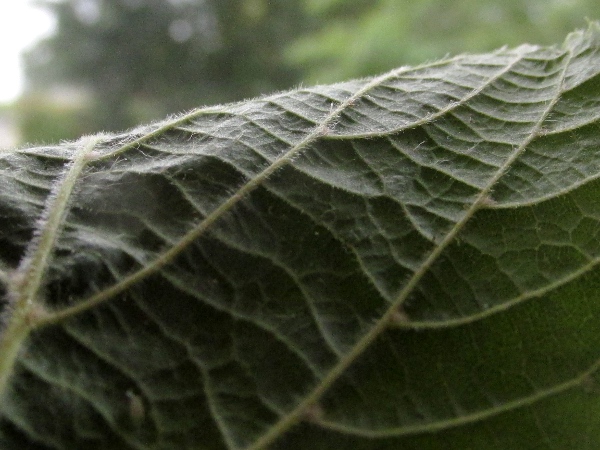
{"x": 398, "y": 261}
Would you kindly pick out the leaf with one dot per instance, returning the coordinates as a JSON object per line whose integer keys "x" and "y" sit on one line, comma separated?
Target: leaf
{"x": 407, "y": 261}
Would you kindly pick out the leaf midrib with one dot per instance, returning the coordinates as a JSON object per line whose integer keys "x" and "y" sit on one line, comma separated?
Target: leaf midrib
{"x": 24, "y": 284}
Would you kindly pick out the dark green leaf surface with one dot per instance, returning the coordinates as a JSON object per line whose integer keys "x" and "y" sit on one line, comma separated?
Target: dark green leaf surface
{"x": 402, "y": 262}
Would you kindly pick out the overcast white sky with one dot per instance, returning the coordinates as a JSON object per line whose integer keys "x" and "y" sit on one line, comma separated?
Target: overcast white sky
{"x": 21, "y": 25}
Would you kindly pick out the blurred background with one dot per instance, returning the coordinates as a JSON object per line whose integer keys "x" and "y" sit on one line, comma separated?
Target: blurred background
{"x": 106, "y": 65}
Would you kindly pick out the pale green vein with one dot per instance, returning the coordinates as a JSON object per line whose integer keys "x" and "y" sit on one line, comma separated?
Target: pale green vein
{"x": 261, "y": 325}
{"x": 573, "y": 126}
{"x": 68, "y": 385}
{"x": 368, "y": 274}
{"x": 33, "y": 266}
{"x": 466, "y": 419}
{"x": 492, "y": 310}
{"x": 311, "y": 399}
{"x": 23, "y": 289}
{"x": 533, "y": 200}
{"x": 159, "y": 131}
{"x": 211, "y": 401}
{"x": 545, "y": 437}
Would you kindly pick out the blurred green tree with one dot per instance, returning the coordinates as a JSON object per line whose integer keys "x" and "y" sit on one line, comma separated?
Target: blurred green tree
{"x": 363, "y": 37}
{"x": 119, "y": 62}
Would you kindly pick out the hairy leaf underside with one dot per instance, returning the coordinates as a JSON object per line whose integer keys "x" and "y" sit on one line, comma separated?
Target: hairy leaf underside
{"x": 403, "y": 262}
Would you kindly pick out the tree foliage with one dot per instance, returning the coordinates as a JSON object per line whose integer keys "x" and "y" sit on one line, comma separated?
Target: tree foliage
{"x": 144, "y": 59}
{"x": 359, "y": 38}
